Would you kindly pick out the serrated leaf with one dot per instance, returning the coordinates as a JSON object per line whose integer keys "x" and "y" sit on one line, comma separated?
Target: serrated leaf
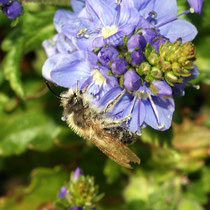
{"x": 42, "y": 191}
{"x": 11, "y": 67}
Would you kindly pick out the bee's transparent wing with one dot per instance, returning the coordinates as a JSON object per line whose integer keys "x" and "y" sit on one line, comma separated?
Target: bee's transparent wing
{"x": 117, "y": 151}
{"x": 114, "y": 149}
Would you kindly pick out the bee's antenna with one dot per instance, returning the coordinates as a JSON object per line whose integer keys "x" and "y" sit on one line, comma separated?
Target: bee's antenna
{"x": 52, "y": 91}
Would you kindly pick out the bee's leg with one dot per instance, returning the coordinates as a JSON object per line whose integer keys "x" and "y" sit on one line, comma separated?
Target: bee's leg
{"x": 111, "y": 104}
{"x": 117, "y": 123}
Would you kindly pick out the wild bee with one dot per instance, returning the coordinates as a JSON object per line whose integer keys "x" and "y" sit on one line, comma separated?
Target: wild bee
{"x": 90, "y": 122}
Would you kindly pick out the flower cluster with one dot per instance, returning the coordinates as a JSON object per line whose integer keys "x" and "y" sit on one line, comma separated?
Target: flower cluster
{"x": 80, "y": 193}
{"x": 12, "y": 9}
{"x": 138, "y": 50}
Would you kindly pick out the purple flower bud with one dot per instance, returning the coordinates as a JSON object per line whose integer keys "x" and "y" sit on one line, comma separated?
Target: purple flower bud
{"x": 76, "y": 208}
{"x": 77, "y": 173}
{"x": 4, "y": 2}
{"x": 149, "y": 34}
{"x": 62, "y": 192}
{"x": 196, "y": 5}
{"x": 107, "y": 54}
{"x": 136, "y": 42}
{"x": 119, "y": 66}
{"x": 13, "y": 10}
{"x": 132, "y": 80}
{"x": 157, "y": 42}
{"x": 161, "y": 88}
{"x": 137, "y": 57}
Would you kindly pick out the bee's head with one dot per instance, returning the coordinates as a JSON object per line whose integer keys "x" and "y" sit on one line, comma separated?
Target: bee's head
{"x": 72, "y": 101}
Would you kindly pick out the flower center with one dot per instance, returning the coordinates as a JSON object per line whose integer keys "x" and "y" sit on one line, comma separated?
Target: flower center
{"x": 98, "y": 78}
{"x": 108, "y": 31}
{"x": 141, "y": 94}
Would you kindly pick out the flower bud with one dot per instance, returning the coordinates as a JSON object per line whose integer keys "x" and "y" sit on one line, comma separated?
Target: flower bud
{"x": 62, "y": 192}
{"x": 13, "y": 10}
{"x": 157, "y": 43}
{"x": 196, "y": 5}
{"x": 136, "y": 42}
{"x": 169, "y": 76}
{"x": 161, "y": 88}
{"x": 76, "y": 208}
{"x": 107, "y": 54}
{"x": 137, "y": 57}
{"x": 4, "y": 2}
{"x": 119, "y": 66}
{"x": 149, "y": 34}
{"x": 144, "y": 69}
{"x": 166, "y": 66}
{"x": 153, "y": 58}
{"x": 185, "y": 73}
{"x": 176, "y": 68}
{"x": 156, "y": 73}
{"x": 77, "y": 173}
{"x": 132, "y": 80}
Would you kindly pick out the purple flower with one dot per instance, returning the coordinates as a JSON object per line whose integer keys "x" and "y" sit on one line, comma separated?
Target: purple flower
{"x": 101, "y": 22}
{"x": 62, "y": 192}
{"x": 77, "y": 5}
{"x": 179, "y": 89}
{"x": 132, "y": 81}
{"x": 76, "y": 208}
{"x": 136, "y": 42}
{"x": 145, "y": 108}
{"x": 196, "y": 5}
{"x": 119, "y": 66}
{"x": 107, "y": 54}
{"x": 162, "y": 16}
{"x": 101, "y": 47}
{"x": 66, "y": 70}
{"x": 4, "y": 2}
{"x": 161, "y": 88}
{"x": 149, "y": 34}
{"x": 13, "y": 10}
{"x": 58, "y": 44}
{"x": 137, "y": 57}
{"x": 149, "y": 109}
{"x": 77, "y": 173}
{"x": 156, "y": 43}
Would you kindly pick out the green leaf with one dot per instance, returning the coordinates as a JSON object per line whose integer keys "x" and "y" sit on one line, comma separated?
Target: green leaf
{"x": 189, "y": 205}
{"x": 11, "y": 67}
{"x": 112, "y": 171}
{"x": 36, "y": 28}
{"x": 27, "y": 128}
{"x": 159, "y": 138}
{"x": 42, "y": 191}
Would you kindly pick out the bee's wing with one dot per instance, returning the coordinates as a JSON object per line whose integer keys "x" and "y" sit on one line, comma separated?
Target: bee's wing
{"x": 114, "y": 149}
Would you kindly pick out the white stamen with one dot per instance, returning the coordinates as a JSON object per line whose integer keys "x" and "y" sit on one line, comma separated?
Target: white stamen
{"x": 82, "y": 33}
{"x": 192, "y": 10}
{"x": 118, "y": 2}
{"x": 98, "y": 78}
{"x": 156, "y": 112}
{"x": 108, "y": 31}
